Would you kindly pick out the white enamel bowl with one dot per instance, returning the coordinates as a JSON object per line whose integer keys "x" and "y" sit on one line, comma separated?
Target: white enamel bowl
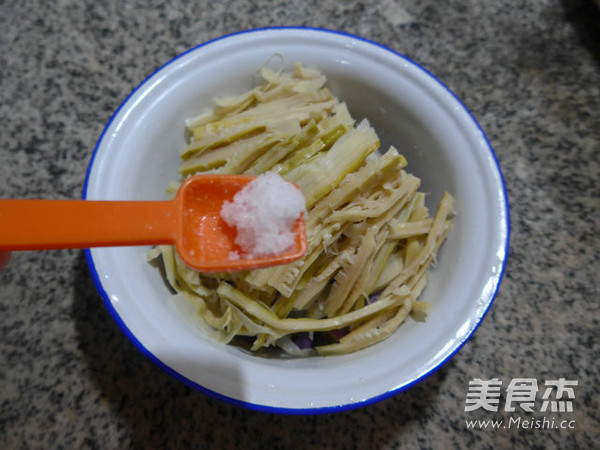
{"x": 137, "y": 155}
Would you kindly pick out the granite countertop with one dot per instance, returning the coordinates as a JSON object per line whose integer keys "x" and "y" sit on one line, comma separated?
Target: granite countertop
{"x": 530, "y": 73}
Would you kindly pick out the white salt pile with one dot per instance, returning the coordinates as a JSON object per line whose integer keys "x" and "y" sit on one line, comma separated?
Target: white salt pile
{"x": 264, "y": 213}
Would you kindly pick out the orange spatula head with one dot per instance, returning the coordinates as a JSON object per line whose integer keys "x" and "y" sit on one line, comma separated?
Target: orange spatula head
{"x": 206, "y": 242}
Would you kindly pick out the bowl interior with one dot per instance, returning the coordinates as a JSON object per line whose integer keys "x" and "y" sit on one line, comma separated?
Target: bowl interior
{"x": 137, "y": 156}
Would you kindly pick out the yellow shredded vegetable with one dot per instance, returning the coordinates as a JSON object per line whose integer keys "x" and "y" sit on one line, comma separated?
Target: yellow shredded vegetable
{"x": 371, "y": 239}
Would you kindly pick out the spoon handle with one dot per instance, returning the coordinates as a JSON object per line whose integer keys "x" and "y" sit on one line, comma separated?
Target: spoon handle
{"x": 54, "y": 224}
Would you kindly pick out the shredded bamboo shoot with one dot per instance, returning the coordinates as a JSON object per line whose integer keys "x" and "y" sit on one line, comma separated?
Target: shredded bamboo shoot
{"x": 371, "y": 238}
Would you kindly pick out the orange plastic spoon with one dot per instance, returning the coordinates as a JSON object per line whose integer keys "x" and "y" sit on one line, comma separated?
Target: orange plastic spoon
{"x": 191, "y": 222}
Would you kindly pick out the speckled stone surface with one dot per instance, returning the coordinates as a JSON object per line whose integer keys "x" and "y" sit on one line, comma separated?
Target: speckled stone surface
{"x": 530, "y": 73}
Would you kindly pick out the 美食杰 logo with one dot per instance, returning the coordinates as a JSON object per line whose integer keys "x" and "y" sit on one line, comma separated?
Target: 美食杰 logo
{"x": 522, "y": 395}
